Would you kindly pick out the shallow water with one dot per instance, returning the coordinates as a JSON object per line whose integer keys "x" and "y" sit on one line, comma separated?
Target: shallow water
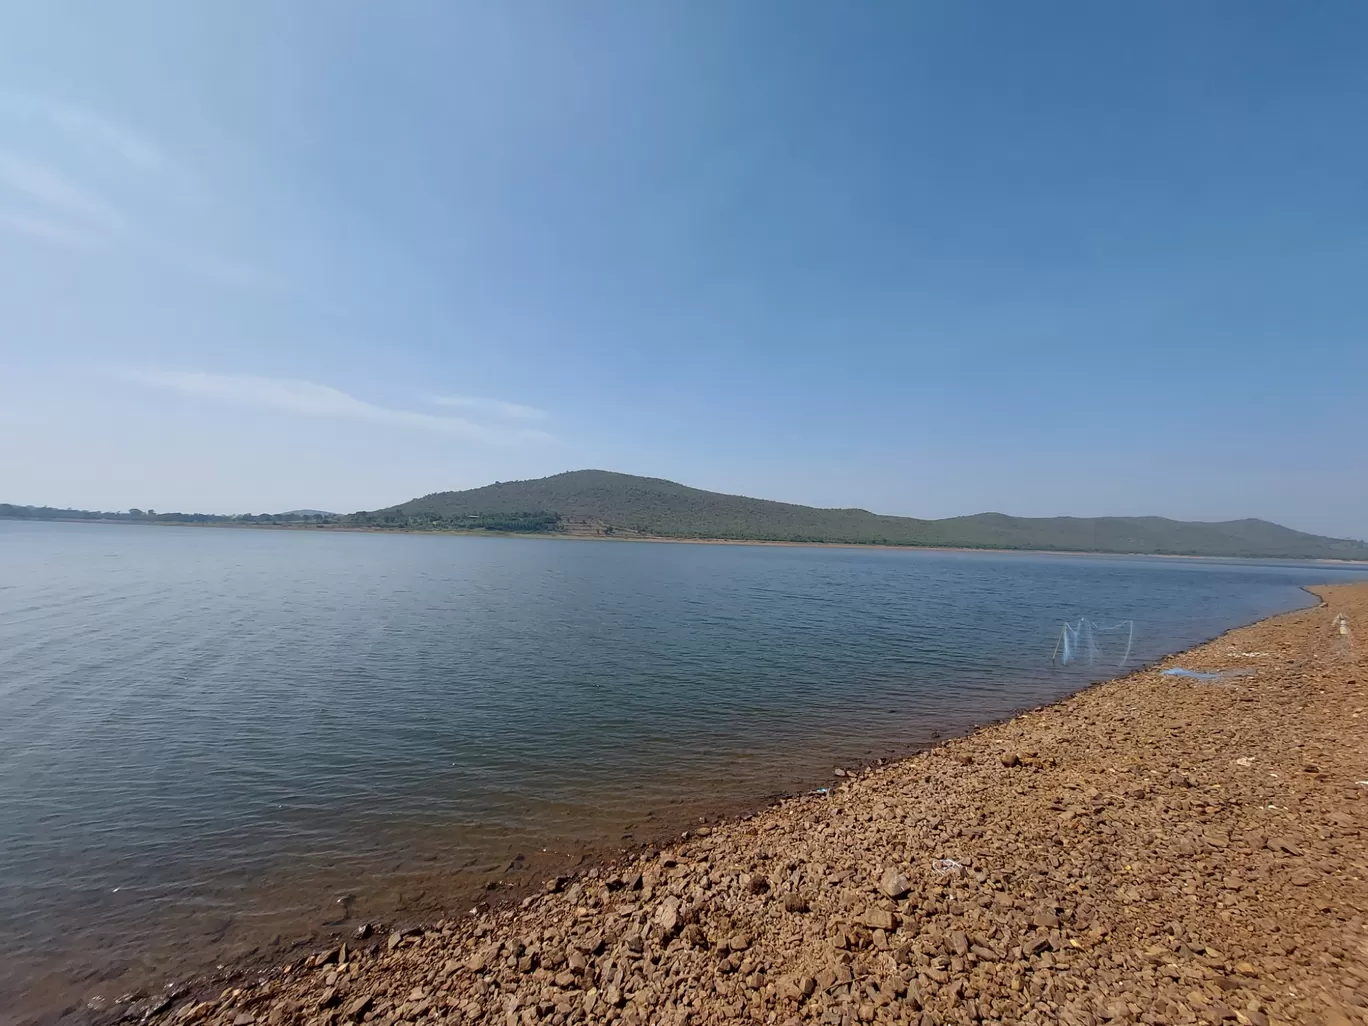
{"x": 209, "y": 736}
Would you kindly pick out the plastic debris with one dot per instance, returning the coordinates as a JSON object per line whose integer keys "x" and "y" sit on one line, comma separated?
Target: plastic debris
{"x": 1245, "y": 760}
{"x": 948, "y": 866}
{"x": 1179, "y": 671}
{"x": 1341, "y": 638}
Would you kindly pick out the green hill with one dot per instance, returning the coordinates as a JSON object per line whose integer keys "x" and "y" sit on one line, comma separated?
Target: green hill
{"x": 601, "y": 502}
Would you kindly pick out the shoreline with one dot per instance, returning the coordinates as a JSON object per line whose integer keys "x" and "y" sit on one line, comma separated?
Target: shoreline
{"x": 679, "y": 932}
{"x": 661, "y": 539}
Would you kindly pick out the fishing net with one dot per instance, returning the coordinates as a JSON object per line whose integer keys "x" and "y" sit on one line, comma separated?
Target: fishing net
{"x": 1091, "y": 644}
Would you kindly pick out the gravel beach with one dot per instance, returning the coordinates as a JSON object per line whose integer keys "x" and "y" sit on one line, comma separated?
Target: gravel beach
{"x": 1155, "y": 849}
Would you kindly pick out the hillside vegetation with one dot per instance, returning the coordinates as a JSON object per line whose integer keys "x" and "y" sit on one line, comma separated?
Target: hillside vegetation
{"x": 601, "y": 502}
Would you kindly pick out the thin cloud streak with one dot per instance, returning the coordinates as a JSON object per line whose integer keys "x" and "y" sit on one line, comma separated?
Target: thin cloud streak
{"x": 88, "y": 128}
{"x": 492, "y": 407}
{"x": 309, "y": 399}
{"x": 54, "y": 233}
{"x": 86, "y": 221}
{"x": 48, "y": 188}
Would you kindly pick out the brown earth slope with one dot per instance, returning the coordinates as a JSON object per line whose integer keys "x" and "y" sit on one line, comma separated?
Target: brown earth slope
{"x": 1154, "y": 849}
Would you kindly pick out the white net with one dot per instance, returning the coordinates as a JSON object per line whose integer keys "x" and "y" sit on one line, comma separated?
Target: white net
{"x": 1091, "y": 644}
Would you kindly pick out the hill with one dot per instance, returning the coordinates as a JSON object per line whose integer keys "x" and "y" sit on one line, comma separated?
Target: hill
{"x": 601, "y": 502}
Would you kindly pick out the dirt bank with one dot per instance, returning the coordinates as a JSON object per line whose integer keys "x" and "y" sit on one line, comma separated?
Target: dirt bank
{"x": 1154, "y": 849}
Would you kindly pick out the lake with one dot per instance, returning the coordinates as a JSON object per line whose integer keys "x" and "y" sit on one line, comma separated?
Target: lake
{"x": 218, "y": 743}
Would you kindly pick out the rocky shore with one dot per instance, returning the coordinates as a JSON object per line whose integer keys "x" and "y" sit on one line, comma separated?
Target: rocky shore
{"x": 1155, "y": 849}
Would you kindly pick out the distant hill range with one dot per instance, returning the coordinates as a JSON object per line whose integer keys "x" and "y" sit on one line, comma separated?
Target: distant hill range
{"x": 598, "y": 502}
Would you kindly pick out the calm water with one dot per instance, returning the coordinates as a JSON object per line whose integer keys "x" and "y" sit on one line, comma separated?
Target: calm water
{"x": 209, "y": 736}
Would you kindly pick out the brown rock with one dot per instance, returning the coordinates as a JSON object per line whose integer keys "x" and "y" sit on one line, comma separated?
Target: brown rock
{"x": 893, "y": 883}
{"x": 879, "y": 919}
{"x": 667, "y": 916}
{"x": 358, "y": 1008}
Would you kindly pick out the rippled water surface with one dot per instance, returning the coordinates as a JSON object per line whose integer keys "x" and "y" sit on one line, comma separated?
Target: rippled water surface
{"x": 208, "y": 737}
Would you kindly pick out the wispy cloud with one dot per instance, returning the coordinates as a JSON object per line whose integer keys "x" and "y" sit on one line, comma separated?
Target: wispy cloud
{"x": 87, "y": 128}
{"x": 44, "y": 229}
{"x": 49, "y": 189}
{"x": 309, "y": 399}
{"x": 491, "y": 407}
{"x": 53, "y": 204}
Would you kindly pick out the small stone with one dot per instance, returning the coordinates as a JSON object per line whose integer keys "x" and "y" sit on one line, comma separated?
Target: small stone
{"x": 1035, "y": 945}
{"x": 738, "y": 942}
{"x": 795, "y": 902}
{"x": 667, "y": 916}
{"x": 894, "y": 884}
{"x": 879, "y": 919}
{"x": 1010, "y": 760}
{"x": 359, "y": 1008}
{"x": 395, "y": 939}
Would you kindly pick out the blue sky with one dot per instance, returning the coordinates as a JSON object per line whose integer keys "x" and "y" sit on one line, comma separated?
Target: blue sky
{"x": 928, "y": 259}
